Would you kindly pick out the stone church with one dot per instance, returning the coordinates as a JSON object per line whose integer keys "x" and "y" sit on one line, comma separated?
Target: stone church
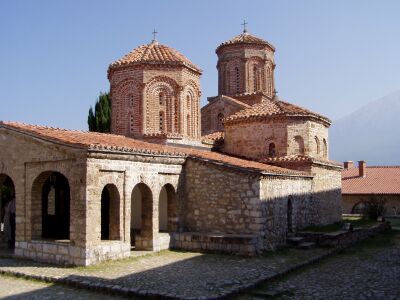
{"x": 236, "y": 176}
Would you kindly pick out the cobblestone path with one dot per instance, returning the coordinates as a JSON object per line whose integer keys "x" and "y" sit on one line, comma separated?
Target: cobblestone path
{"x": 170, "y": 273}
{"x": 15, "y": 288}
{"x": 369, "y": 270}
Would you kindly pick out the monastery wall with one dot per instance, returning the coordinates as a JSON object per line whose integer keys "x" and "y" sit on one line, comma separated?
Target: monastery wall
{"x": 392, "y": 203}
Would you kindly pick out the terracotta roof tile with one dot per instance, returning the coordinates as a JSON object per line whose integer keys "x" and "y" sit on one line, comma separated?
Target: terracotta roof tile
{"x": 245, "y": 38}
{"x": 154, "y": 53}
{"x": 378, "y": 180}
{"x": 275, "y": 107}
{"x": 118, "y": 143}
{"x": 212, "y": 137}
{"x": 299, "y": 158}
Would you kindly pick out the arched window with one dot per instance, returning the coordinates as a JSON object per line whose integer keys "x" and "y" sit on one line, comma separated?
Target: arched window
{"x": 131, "y": 98}
{"x": 271, "y": 149}
{"x": 255, "y": 86}
{"x": 325, "y": 145}
{"x": 237, "y": 80}
{"x": 359, "y": 208}
{"x": 220, "y": 123}
{"x": 188, "y": 102}
{"x": 161, "y": 121}
{"x": 299, "y": 145}
{"x": 317, "y": 146}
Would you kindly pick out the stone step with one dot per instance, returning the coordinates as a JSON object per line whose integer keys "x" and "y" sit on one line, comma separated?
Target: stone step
{"x": 294, "y": 240}
{"x": 306, "y": 245}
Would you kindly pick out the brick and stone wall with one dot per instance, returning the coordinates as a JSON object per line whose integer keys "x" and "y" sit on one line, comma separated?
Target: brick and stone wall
{"x": 155, "y": 99}
{"x": 392, "y": 203}
{"x": 213, "y": 114}
{"x": 290, "y": 136}
{"x": 244, "y": 69}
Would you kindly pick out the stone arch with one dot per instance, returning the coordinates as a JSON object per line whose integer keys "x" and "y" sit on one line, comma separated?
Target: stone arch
{"x": 359, "y": 207}
{"x": 50, "y": 206}
{"x": 167, "y": 209}
{"x": 170, "y": 107}
{"x": 126, "y": 102}
{"x": 110, "y": 213}
{"x": 191, "y": 109}
{"x": 7, "y": 194}
{"x": 142, "y": 217}
{"x": 298, "y": 145}
{"x": 256, "y": 69}
{"x": 317, "y": 145}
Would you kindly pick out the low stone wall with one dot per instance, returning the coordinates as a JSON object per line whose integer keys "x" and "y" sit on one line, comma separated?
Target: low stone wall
{"x": 342, "y": 239}
{"x": 64, "y": 253}
{"x": 239, "y": 244}
{"x": 107, "y": 250}
{"x": 51, "y": 251}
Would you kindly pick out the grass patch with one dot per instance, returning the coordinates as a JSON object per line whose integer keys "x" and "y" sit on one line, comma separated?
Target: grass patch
{"x": 355, "y": 221}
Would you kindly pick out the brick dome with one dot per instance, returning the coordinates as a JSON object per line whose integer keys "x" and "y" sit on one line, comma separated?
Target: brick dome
{"x": 154, "y": 53}
{"x": 245, "y": 38}
{"x": 274, "y": 108}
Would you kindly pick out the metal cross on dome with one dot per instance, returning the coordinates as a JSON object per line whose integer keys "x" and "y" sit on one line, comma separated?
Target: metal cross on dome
{"x": 154, "y": 35}
{"x": 244, "y": 26}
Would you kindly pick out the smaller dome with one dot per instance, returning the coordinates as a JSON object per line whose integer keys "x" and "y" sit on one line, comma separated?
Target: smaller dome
{"x": 154, "y": 53}
{"x": 245, "y": 38}
{"x": 274, "y": 108}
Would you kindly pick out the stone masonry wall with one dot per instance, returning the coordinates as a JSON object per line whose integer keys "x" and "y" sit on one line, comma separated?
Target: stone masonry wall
{"x": 285, "y": 207}
{"x": 26, "y": 161}
{"x": 220, "y": 200}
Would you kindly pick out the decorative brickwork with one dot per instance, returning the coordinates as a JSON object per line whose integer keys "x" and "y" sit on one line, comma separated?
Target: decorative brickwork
{"x": 155, "y": 91}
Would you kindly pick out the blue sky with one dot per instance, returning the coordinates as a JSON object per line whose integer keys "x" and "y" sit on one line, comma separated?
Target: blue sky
{"x": 332, "y": 56}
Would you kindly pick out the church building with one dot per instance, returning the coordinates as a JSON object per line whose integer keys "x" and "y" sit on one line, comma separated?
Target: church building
{"x": 236, "y": 176}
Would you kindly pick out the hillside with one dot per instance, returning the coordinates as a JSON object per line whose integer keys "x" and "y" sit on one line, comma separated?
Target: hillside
{"x": 371, "y": 133}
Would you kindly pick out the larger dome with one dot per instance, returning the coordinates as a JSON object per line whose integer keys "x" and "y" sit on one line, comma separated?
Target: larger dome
{"x": 154, "y": 53}
{"x": 245, "y": 38}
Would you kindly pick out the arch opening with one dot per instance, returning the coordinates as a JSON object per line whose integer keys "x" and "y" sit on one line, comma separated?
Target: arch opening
{"x": 359, "y": 208}
{"x": 51, "y": 206}
{"x": 167, "y": 208}
{"x": 271, "y": 149}
{"x": 110, "y": 213}
{"x": 299, "y": 145}
{"x": 7, "y": 210}
{"x": 141, "y": 217}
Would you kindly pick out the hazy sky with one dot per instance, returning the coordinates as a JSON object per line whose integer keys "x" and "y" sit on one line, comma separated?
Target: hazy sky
{"x": 332, "y": 56}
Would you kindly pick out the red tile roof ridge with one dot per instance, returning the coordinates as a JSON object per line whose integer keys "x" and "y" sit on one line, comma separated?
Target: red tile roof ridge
{"x": 273, "y": 107}
{"x": 245, "y": 38}
{"x": 110, "y": 142}
{"x": 154, "y": 53}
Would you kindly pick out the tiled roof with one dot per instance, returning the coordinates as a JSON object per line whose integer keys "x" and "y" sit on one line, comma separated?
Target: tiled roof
{"x": 300, "y": 158}
{"x": 212, "y": 137}
{"x": 215, "y": 99}
{"x": 275, "y": 107}
{"x": 154, "y": 53}
{"x": 378, "y": 180}
{"x": 118, "y": 143}
{"x": 245, "y": 38}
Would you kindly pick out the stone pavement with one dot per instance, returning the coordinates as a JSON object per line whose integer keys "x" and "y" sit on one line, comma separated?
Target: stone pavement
{"x": 170, "y": 274}
{"x": 12, "y": 288}
{"x": 369, "y": 270}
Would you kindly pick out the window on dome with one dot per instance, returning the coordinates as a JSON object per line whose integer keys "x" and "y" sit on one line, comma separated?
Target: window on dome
{"x": 161, "y": 121}
{"x": 220, "y": 124}
{"x": 161, "y": 98}
{"x": 237, "y": 80}
{"x": 317, "y": 145}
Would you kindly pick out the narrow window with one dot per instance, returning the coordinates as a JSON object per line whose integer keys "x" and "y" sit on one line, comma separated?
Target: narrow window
{"x": 317, "y": 145}
{"x": 220, "y": 121}
{"x": 271, "y": 150}
{"x": 188, "y": 101}
{"x": 237, "y": 80}
{"x": 255, "y": 85}
{"x": 161, "y": 98}
{"x": 161, "y": 118}
{"x": 131, "y": 123}
{"x": 325, "y": 148}
{"x": 131, "y": 100}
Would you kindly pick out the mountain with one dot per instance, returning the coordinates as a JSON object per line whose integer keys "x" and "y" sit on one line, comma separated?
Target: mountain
{"x": 371, "y": 133}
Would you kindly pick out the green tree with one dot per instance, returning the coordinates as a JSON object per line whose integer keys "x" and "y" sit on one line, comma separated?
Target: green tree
{"x": 100, "y": 119}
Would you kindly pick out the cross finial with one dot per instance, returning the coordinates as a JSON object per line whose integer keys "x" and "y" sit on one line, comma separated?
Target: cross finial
{"x": 244, "y": 26}
{"x": 154, "y": 35}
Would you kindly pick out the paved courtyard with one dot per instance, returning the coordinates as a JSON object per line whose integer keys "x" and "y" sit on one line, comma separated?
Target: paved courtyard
{"x": 369, "y": 270}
